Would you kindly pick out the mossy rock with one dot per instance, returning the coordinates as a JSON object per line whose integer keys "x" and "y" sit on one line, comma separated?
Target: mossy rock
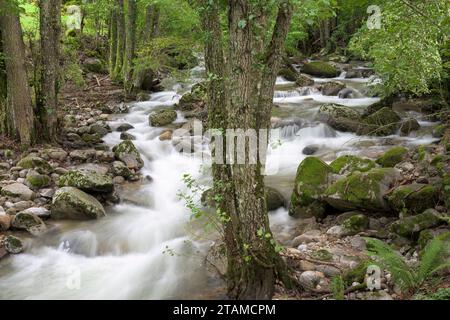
{"x": 362, "y": 190}
{"x": 332, "y": 88}
{"x": 350, "y": 163}
{"x": 120, "y": 169}
{"x": 37, "y": 180}
{"x": 288, "y": 74}
{"x": 320, "y": 69}
{"x": 162, "y": 118}
{"x": 33, "y": 162}
{"x": 384, "y": 122}
{"x": 410, "y": 227}
{"x": 322, "y": 255}
{"x": 340, "y": 117}
{"x": 427, "y": 235}
{"x": 274, "y": 199}
{"x": 127, "y": 152}
{"x": 72, "y": 203}
{"x": 355, "y": 224}
{"x": 391, "y": 157}
{"x": 87, "y": 180}
{"x": 304, "y": 81}
{"x": 357, "y": 274}
{"x": 409, "y": 126}
{"x": 310, "y": 183}
{"x": 13, "y": 244}
{"x": 414, "y": 198}
{"x": 25, "y": 220}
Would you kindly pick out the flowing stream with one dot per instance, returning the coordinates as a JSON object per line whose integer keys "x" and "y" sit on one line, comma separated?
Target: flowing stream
{"x": 145, "y": 248}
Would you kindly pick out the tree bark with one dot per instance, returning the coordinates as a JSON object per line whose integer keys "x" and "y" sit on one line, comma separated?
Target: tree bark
{"x": 112, "y": 42}
{"x": 118, "y": 71}
{"x": 18, "y": 103}
{"x": 240, "y": 97}
{"x": 50, "y": 32}
{"x": 130, "y": 43}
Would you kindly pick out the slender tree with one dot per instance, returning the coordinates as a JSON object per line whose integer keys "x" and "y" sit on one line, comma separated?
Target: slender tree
{"x": 130, "y": 43}
{"x": 240, "y": 96}
{"x": 120, "y": 16}
{"x": 112, "y": 41}
{"x": 18, "y": 94}
{"x": 50, "y": 33}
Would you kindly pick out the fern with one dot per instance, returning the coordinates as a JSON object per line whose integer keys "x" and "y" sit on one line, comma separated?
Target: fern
{"x": 410, "y": 278}
{"x": 338, "y": 288}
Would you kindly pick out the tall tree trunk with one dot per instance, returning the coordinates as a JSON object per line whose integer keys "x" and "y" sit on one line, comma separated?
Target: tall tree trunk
{"x": 241, "y": 95}
{"x": 120, "y": 14}
{"x": 112, "y": 42}
{"x": 5, "y": 114}
{"x": 18, "y": 90}
{"x": 50, "y": 32}
{"x": 130, "y": 43}
{"x": 151, "y": 24}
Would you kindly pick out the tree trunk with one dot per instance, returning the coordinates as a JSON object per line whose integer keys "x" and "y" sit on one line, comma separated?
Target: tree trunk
{"x": 18, "y": 90}
{"x": 117, "y": 74}
{"x": 112, "y": 42}
{"x": 130, "y": 43}
{"x": 50, "y": 32}
{"x": 5, "y": 114}
{"x": 240, "y": 97}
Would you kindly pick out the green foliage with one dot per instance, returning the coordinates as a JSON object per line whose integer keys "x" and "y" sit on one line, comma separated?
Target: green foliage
{"x": 338, "y": 287}
{"x": 440, "y": 294}
{"x": 411, "y": 277}
{"x": 406, "y": 50}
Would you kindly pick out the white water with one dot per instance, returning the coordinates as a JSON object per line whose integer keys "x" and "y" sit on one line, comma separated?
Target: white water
{"x": 121, "y": 256}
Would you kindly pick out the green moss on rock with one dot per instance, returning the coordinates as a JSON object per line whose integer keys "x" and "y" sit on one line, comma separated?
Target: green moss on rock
{"x": 162, "y": 118}
{"x": 391, "y": 157}
{"x": 126, "y": 150}
{"x": 349, "y": 163}
{"x": 410, "y": 227}
{"x": 288, "y": 74}
{"x": 355, "y": 224}
{"x": 33, "y": 162}
{"x": 381, "y": 123}
{"x": 87, "y": 180}
{"x": 310, "y": 183}
{"x": 339, "y": 117}
{"x": 414, "y": 198}
{"x": 38, "y": 181}
{"x": 320, "y": 69}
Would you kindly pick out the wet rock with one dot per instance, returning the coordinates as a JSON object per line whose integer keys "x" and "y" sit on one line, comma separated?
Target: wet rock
{"x": 310, "y": 183}
{"x": 307, "y": 237}
{"x": 72, "y": 203}
{"x": 87, "y": 180}
{"x": 409, "y": 126}
{"x": 105, "y": 156}
{"x": 27, "y": 221}
{"x": 355, "y": 224}
{"x": 274, "y": 199}
{"x": 18, "y": 190}
{"x": 288, "y": 74}
{"x": 127, "y": 136}
{"x": 166, "y": 135}
{"x": 392, "y": 157}
{"x": 128, "y": 153}
{"x": 13, "y": 244}
{"x": 340, "y": 118}
{"x": 37, "y": 180}
{"x": 350, "y": 163}
{"x": 119, "y": 180}
{"x": 414, "y": 198}
{"x": 304, "y": 81}
{"x": 33, "y": 162}
{"x": 320, "y": 69}
{"x": 195, "y": 99}
{"x": 162, "y": 118}
{"x": 310, "y": 150}
{"x": 332, "y": 88}
{"x": 410, "y": 227}
{"x": 362, "y": 190}
{"x": 39, "y": 212}
{"x": 384, "y": 122}
{"x": 120, "y": 169}
{"x": 124, "y": 127}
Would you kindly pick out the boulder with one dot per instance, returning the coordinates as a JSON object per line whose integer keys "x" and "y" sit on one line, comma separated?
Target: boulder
{"x": 320, "y": 69}
{"x": 33, "y": 162}
{"x": 128, "y": 153}
{"x": 127, "y": 136}
{"x": 355, "y": 224}
{"x": 18, "y": 190}
{"x": 39, "y": 212}
{"x": 195, "y": 99}
{"x": 384, "y": 122}
{"x": 332, "y": 88}
{"x": 349, "y": 163}
{"x": 87, "y": 180}
{"x": 288, "y": 74}
{"x": 410, "y": 227}
{"x": 26, "y": 221}
{"x": 414, "y": 198}
{"x": 120, "y": 169}
{"x": 162, "y": 118}
{"x": 310, "y": 183}
{"x": 408, "y": 126}
{"x": 362, "y": 190}
{"x": 339, "y": 117}
{"x": 72, "y": 203}
{"x": 304, "y": 81}
{"x": 13, "y": 244}
{"x": 124, "y": 127}
{"x": 274, "y": 199}
{"x": 93, "y": 65}
{"x": 37, "y": 180}
{"x": 392, "y": 157}
{"x": 99, "y": 129}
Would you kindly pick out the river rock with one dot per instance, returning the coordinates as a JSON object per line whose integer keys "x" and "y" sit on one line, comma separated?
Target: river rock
{"x": 410, "y": 227}
{"x": 13, "y": 244}
{"x": 320, "y": 69}
{"x": 5, "y": 222}
{"x": 26, "y": 221}
{"x": 87, "y": 180}
{"x": 408, "y": 126}
{"x": 166, "y": 135}
{"x": 37, "y": 180}
{"x": 128, "y": 153}
{"x": 127, "y": 136}
{"x": 310, "y": 150}
{"x": 72, "y": 203}
{"x": 120, "y": 169}
{"x": 384, "y": 122}
{"x": 350, "y": 163}
{"x": 310, "y": 279}
{"x": 310, "y": 183}
{"x": 18, "y": 190}
{"x": 414, "y": 198}
{"x": 195, "y": 99}
{"x": 162, "y": 118}
{"x": 288, "y": 74}
{"x": 304, "y": 81}
{"x": 340, "y": 118}
{"x": 392, "y": 157}
{"x": 99, "y": 129}
{"x": 274, "y": 199}
{"x": 124, "y": 127}
{"x": 307, "y": 237}
{"x": 355, "y": 224}
{"x": 33, "y": 162}
{"x": 332, "y": 88}
{"x": 362, "y": 190}
{"x": 39, "y": 212}
{"x": 82, "y": 155}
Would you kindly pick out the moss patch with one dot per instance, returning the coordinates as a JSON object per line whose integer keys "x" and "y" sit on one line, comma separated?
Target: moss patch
{"x": 320, "y": 69}
{"x": 415, "y": 198}
{"x": 349, "y": 163}
{"x": 392, "y": 157}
